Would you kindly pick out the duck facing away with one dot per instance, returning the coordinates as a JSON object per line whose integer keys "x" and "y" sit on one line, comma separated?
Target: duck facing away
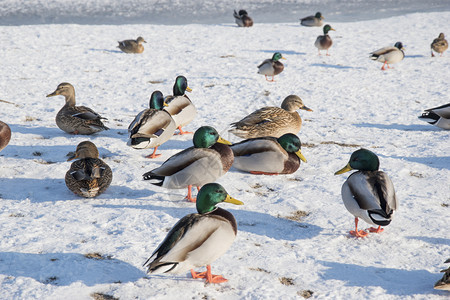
{"x": 242, "y": 19}
{"x": 272, "y": 66}
{"x": 152, "y": 127}
{"x": 132, "y": 46}
{"x": 88, "y": 176}
{"x": 207, "y": 160}
{"x": 368, "y": 193}
{"x": 268, "y": 155}
{"x": 324, "y": 42}
{"x": 271, "y": 121}
{"x": 76, "y": 119}
{"x": 316, "y": 20}
{"x": 179, "y": 106}
{"x": 439, "y": 45}
{"x": 5, "y": 135}
{"x": 389, "y": 55}
{"x": 438, "y": 116}
{"x": 198, "y": 239}
{"x": 444, "y": 282}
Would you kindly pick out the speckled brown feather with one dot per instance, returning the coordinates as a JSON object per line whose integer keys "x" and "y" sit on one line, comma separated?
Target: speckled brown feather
{"x": 5, "y": 135}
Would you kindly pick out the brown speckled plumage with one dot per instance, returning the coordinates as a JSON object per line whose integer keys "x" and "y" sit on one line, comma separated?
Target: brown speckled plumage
{"x": 132, "y": 46}
{"x": 271, "y": 121}
{"x": 5, "y": 135}
{"x": 439, "y": 45}
{"x": 88, "y": 176}
{"x": 444, "y": 282}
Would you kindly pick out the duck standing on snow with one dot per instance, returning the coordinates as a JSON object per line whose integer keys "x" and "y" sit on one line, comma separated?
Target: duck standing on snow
{"x": 368, "y": 193}
{"x": 268, "y": 155}
{"x": 324, "y": 42}
{"x": 438, "y": 116}
{"x": 5, "y": 135}
{"x": 198, "y": 239}
{"x": 444, "y": 282}
{"x": 271, "y": 67}
{"x": 242, "y": 19}
{"x": 389, "y": 55}
{"x": 316, "y": 20}
{"x": 151, "y": 127}
{"x": 179, "y": 106}
{"x": 271, "y": 121}
{"x": 88, "y": 176}
{"x": 76, "y": 119}
{"x": 207, "y": 160}
{"x": 132, "y": 46}
{"x": 439, "y": 45}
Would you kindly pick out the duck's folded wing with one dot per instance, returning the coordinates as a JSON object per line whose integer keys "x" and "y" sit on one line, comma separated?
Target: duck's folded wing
{"x": 86, "y": 113}
{"x": 260, "y": 116}
{"x": 384, "y": 50}
{"x": 256, "y": 145}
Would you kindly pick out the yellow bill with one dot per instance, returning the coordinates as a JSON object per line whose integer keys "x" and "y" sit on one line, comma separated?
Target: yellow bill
{"x": 300, "y": 155}
{"x": 344, "y": 169}
{"x": 230, "y": 199}
{"x": 188, "y": 89}
{"x": 223, "y": 141}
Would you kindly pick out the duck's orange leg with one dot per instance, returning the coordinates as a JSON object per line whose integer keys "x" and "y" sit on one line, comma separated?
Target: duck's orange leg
{"x": 376, "y": 230}
{"x": 356, "y": 232}
{"x": 181, "y": 132}
{"x": 382, "y": 68}
{"x": 153, "y": 155}
{"x": 210, "y": 278}
{"x": 189, "y": 195}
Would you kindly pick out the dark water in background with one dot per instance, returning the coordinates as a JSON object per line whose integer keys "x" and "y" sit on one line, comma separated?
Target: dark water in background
{"x": 25, "y": 12}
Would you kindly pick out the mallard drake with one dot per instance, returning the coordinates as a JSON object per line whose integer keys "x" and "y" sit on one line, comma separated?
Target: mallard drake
{"x": 207, "y": 160}
{"x": 76, "y": 119}
{"x": 438, "y": 116}
{"x": 88, "y": 176}
{"x": 179, "y": 105}
{"x": 324, "y": 42}
{"x": 242, "y": 19}
{"x": 444, "y": 282}
{"x": 368, "y": 193}
{"x": 389, "y": 55}
{"x": 268, "y": 155}
{"x": 151, "y": 127}
{"x": 198, "y": 239}
{"x": 5, "y": 135}
{"x": 439, "y": 45}
{"x": 315, "y": 20}
{"x": 271, "y": 121}
{"x": 271, "y": 67}
{"x": 132, "y": 46}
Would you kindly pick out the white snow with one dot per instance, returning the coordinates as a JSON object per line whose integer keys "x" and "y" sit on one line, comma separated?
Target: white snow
{"x": 46, "y": 230}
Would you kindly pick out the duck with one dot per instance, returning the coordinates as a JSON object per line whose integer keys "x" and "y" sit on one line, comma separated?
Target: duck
{"x": 132, "y": 46}
{"x": 5, "y": 135}
{"x": 324, "y": 42}
{"x": 88, "y": 176}
{"x": 179, "y": 106}
{"x": 368, "y": 193}
{"x": 444, "y": 282}
{"x": 76, "y": 119}
{"x": 152, "y": 127}
{"x": 437, "y": 116}
{"x": 389, "y": 55}
{"x": 271, "y": 121}
{"x": 242, "y": 19}
{"x": 316, "y": 20}
{"x": 268, "y": 155}
{"x": 272, "y": 66}
{"x": 198, "y": 239}
{"x": 439, "y": 45}
{"x": 209, "y": 158}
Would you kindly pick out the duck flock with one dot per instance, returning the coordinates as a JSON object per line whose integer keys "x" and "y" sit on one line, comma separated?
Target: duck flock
{"x": 267, "y": 140}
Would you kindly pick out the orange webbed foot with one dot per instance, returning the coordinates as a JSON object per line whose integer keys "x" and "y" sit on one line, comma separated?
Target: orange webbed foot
{"x": 376, "y": 230}
{"x": 153, "y": 155}
{"x": 189, "y": 195}
{"x": 358, "y": 233}
{"x": 181, "y": 132}
{"x": 210, "y": 278}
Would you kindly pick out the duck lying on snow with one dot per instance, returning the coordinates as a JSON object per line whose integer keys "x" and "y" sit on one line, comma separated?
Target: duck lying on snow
{"x": 76, "y": 119}
{"x": 389, "y": 55}
{"x": 368, "y": 193}
{"x": 88, "y": 176}
{"x": 316, "y": 20}
{"x": 268, "y": 155}
{"x": 151, "y": 127}
{"x": 132, "y": 46}
{"x": 198, "y": 239}
{"x": 207, "y": 160}
{"x": 438, "y": 116}
{"x": 180, "y": 107}
{"x": 271, "y": 121}
{"x": 242, "y": 19}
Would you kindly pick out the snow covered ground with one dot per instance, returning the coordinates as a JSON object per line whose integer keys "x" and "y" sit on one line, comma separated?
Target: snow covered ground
{"x": 293, "y": 229}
